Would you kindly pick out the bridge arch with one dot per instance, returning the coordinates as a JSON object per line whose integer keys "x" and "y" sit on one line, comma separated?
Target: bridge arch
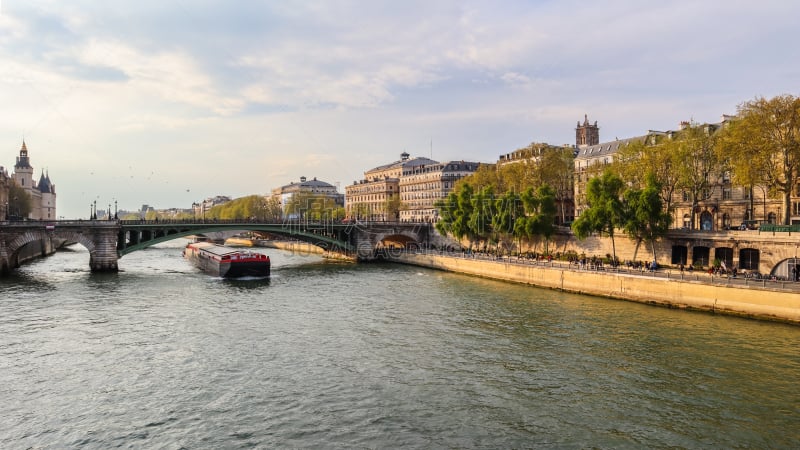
{"x": 132, "y": 239}
{"x": 401, "y": 240}
{"x": 787, "y": 269}
{"x": 45, "y": 238}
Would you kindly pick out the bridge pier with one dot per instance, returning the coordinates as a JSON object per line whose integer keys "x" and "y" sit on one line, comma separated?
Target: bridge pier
{"x": 103, "y": 257}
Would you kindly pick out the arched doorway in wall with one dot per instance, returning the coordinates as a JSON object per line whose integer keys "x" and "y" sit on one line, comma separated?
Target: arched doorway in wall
{"x": 788, "y": 269}
{"x": 679, "y": 254}
{"x": 749, "y": 258}
{"x": 706, "y": 221}
{"x": 725, "y": 256}
{"x": 772, "y": 218}
{"x": 700, "y": 256}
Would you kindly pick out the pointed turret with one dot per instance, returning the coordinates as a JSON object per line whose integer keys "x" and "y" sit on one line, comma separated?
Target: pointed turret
{"x": 44, "y": 184}
{"x": 22, "y": 159}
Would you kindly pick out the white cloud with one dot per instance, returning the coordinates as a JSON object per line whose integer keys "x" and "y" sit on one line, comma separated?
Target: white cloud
{"x": 273, "y": 91}
{"x": 173, "y": 76}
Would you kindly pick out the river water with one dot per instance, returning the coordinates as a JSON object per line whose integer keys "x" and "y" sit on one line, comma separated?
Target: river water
{"x": 338, "y": 355}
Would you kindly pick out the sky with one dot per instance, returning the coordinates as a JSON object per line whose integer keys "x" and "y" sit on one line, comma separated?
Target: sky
{"x": 168, "y": 102}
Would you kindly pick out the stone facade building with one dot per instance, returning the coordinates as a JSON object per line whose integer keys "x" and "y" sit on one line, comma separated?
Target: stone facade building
{"x": 42, "y": 194}
{"x": 313, "y": 188}
{"x": 723, "y": 205}
{"x": 370, "y": 198}
{"x": 406, "y": 189}
{"x": 421, "y": 186}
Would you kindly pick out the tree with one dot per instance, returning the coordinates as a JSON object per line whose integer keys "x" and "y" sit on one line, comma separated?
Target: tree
{"x": 508, "y": 208}
{"x": 455, "y": 213}
{"x": 480, "y": 219}
{"x": 19, "y": 202}
{"x": 486, "y": 175}
{"x": 763, "y": 145}
{"x": 540, "y": 210}
{"x": 645, "y": 218}
{"x": 310, "y": 206}
{"x": 605, "y": 210}
{"x": 272, "y": 209}
{"x": 393, "y": 206}
{"x": 698, "y": 164}
{"x": 557, "y": 167}
{"x": 656, "y": 155}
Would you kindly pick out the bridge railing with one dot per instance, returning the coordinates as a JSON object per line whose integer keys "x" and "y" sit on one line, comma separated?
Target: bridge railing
{"x": 54, "y": 223}
{"x": 270, "y": 222}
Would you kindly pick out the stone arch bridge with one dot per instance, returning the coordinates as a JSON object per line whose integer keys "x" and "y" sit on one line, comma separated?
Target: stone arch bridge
{"x": 109, "y": 240}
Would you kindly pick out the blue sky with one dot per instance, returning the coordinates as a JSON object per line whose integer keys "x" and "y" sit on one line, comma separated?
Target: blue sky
{"x": 168, "y": 102}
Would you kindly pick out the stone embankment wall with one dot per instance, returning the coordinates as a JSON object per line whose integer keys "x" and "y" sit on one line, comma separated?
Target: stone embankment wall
{"x": 759, "y": 303}
{"x": 302, "y": 248}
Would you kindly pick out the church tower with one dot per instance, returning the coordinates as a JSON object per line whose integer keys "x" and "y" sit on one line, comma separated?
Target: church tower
{"x": 586, "y": 134}
{"x": 23, "y": 172}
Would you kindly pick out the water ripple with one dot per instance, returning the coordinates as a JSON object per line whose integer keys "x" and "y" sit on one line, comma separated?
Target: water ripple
{"x": 338, "y": 355}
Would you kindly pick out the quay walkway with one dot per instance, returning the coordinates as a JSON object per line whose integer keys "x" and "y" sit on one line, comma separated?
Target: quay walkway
{"x": 745, "y": 279}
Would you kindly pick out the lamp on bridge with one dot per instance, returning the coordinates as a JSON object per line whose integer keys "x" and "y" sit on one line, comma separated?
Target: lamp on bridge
{"x": 115, "y": 210}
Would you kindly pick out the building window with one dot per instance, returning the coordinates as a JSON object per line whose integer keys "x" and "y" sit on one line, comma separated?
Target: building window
{"x": 726, "y": 193}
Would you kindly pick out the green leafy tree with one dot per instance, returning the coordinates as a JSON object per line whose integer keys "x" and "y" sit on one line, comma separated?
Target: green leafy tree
{"x": 508, "y": 208}
{"x": 479, "y": 222}
{"x": 645, "y": 218}
{"x": 447, "y": 208}
{"x": 539, "y": 212}
{"x": 455, "y": 212}
{"x": 605, "y": 210}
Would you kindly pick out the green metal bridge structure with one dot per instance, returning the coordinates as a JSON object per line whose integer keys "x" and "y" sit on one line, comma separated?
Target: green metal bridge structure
{"x": 110, "y": 240}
